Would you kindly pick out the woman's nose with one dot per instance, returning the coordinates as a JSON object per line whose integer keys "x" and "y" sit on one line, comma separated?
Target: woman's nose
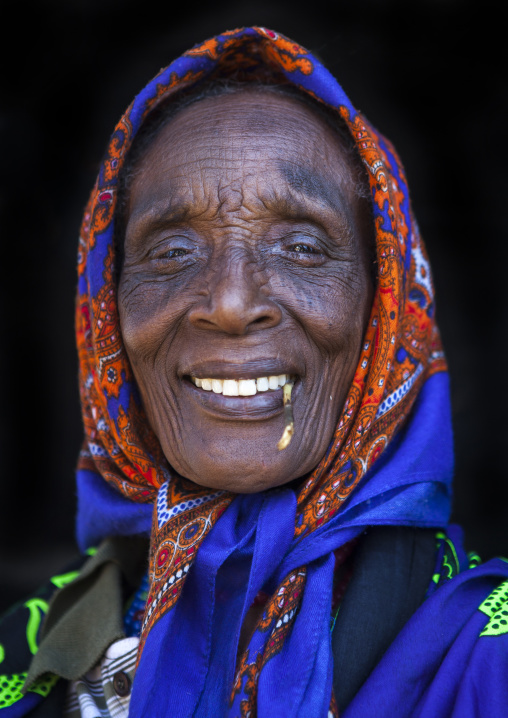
{"x": 235, "y": 303}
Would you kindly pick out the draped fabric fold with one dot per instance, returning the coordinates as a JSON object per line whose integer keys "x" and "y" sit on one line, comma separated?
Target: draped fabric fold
{"x": 390, "y": 460}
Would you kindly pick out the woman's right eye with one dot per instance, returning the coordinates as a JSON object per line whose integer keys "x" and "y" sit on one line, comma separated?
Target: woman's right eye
{"x": 173, "y": 253}
{"x": 171, "y": 248}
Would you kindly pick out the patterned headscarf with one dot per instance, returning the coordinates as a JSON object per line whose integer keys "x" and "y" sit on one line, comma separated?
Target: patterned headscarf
{"x": 381, "y": 449}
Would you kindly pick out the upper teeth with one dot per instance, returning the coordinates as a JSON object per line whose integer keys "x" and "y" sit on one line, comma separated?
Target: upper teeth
{"x": 242, "y": 387}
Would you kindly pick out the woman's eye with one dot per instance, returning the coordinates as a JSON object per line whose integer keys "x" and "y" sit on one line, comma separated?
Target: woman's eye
{"x": 164, "y": 254}
{"x": 174, "y": 253}
{"x": 170, "y": 259}
{"x": 302, "y": 248}
{"x": 303, "y": 253}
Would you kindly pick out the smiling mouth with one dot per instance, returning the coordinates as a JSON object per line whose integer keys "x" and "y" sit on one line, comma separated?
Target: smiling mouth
{"x": 256, "y": 404}
{"x": 243, "y": 387}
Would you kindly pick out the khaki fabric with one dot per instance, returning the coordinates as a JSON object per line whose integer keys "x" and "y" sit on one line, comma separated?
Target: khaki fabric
{"x": 85, "y": 617}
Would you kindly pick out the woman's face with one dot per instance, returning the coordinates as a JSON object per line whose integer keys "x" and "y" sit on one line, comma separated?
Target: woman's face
{"x": 245, "y": 258}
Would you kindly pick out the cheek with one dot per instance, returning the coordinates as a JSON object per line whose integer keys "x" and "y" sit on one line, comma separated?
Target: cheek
{"x": 149, "y": 319}
{"x": 149, "y": 316}
{"x": 332, "y": 309}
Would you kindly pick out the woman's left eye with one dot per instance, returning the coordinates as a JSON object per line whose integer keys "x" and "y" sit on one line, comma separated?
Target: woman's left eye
{"x": 303, "y": 253}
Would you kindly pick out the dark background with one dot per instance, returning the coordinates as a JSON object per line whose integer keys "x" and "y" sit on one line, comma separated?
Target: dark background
{"x": 430, "y": 74}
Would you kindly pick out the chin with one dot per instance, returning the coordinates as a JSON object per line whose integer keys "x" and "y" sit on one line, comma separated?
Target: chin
{"x": 240, "y": 478}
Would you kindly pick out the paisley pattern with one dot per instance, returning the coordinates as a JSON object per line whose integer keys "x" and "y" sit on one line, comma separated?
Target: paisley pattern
{"x": 401, "y": 346}
{"x": 180, "y": 527}
{"x": 277, "y": 620}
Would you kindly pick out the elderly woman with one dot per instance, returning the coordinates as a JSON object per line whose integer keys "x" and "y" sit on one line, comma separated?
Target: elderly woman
{"x": 266, "y": 412}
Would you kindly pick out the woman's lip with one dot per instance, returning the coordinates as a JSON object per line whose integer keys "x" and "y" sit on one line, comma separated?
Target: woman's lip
{"x": 261, "y": 406}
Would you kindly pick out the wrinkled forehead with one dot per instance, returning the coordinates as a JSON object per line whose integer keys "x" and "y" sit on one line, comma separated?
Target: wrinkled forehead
{"x": 256, "y": 115}
{"x": 253, "y": 141}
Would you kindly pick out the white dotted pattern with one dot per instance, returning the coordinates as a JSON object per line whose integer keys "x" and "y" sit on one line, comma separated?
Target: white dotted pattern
{"x": 164, "y": 513}
{"x": 422, "y": 267}
{"x": 96, "y": 449}
{"x": 399, "y": 393}
{"x": 170, "y": 583}
{"x": 286, "y": 617}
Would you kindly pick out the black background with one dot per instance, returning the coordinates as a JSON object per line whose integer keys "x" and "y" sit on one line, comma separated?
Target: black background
{"x": 429, "y": 74}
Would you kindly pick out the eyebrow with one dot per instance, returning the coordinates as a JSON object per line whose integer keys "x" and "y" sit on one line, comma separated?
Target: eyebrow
{"x": 160, "y": 216}
{"x": 304, "y": 185}
{"x": 313, "y": 185}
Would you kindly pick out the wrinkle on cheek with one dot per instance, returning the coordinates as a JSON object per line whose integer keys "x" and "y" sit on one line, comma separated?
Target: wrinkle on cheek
{"x": 131, "y": 298}
{"x": 317, "y": 411}
{"x": 147, "y": 321}
{"x": 323, "y": 301}
{"x": 163, "y": 410}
